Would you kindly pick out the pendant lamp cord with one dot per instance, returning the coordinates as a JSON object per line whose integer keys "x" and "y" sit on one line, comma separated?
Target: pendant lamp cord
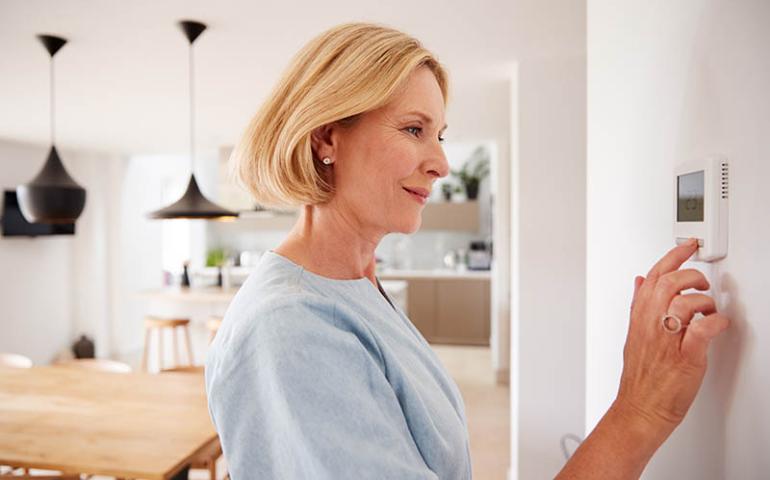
{"x": 52, "y": 101}
{"x": 192, "y": 115}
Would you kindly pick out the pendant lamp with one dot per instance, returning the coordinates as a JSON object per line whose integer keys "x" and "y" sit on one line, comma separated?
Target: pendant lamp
{"x": 193, "y": 204}
{"x": 52, "y": 196}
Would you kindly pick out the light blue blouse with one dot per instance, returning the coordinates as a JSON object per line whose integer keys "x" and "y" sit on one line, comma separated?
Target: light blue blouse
{"x": 315, "y": 378}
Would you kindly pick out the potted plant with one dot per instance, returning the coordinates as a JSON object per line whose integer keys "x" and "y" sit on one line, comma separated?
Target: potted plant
{"x": 474, "y": 170}
{"x": 447, "y": 189}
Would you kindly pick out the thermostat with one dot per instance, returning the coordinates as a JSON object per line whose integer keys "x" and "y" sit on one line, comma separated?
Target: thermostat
{"x": 701, "y": 194}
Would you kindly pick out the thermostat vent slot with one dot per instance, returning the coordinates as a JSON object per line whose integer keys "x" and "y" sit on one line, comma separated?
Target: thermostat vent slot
{"x": 725, "y": 180}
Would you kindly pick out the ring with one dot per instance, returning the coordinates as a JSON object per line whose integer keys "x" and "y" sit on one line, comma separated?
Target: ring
{"x": 676, "y": 321}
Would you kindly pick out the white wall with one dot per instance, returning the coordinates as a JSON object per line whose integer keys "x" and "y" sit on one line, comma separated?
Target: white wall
{"x": 548, "y": 102}
{"x": 54, "y": 288}
{"x": 668, "y": 82}
{"x": 550, "y": 228}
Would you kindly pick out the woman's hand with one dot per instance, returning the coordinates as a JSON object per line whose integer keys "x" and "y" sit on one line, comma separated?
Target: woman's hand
{"x": 662, "y": 371}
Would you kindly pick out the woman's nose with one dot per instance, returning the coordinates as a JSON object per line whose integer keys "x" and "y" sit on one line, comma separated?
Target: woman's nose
{"x": 437, "y": 165}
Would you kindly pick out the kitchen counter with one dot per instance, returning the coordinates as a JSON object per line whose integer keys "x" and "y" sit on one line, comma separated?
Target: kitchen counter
{"x": 187, "y": 294}
{"x": 395, "y": 289}
{"x": 438, "y": 273}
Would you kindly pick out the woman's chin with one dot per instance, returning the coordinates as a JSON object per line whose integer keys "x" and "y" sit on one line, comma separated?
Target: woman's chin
{"x": 410, "y": 227}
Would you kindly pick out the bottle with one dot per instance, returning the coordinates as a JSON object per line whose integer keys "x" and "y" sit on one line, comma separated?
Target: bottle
{"x": 185, "y": 276}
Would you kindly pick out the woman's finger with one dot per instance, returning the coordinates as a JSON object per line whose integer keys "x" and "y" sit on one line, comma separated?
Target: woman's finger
{"x": 686, "y": 306}
{"x": 673, "y": 259}
{"x": 671, "y": 284}
{"x": 698, "y": 336}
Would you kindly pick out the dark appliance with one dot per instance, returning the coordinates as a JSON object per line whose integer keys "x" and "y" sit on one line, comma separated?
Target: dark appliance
{"x": 15, "y": 225}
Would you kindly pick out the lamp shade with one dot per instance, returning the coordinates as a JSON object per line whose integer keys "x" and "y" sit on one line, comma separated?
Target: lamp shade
{"x": 52, "y": 196}
{"x": 193, "y": 205}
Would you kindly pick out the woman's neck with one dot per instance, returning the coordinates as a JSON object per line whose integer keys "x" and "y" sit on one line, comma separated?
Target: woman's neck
{"x": 327, "y": 242}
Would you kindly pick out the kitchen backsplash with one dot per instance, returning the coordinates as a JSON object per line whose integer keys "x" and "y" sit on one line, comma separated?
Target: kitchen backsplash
{"x": 422, "y": 250}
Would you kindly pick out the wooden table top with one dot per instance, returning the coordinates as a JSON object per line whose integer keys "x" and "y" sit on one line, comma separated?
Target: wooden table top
{"x": 133, "y": 425}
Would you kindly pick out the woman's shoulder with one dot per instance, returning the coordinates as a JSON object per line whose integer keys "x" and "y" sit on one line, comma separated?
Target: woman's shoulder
{"x": 276, "y": 286}
{"x": 278, "y": 311}
{"x": 275, "y": 309}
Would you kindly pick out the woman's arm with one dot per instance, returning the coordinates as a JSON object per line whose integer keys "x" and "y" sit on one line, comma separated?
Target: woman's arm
{"x": 619, "y": 447}
{"x": 662, "y": 371}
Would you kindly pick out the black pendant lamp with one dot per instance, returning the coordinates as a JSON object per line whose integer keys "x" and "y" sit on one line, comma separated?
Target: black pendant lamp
{"x": 193, "y": 204}
{"x": 52, "y": 196}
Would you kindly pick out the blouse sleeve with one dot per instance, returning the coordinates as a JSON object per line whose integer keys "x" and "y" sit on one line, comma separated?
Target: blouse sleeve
{"x": 297, "y": 393}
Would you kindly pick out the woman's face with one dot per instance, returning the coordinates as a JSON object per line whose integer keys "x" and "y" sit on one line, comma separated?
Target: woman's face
{"x": 386, "y": 162}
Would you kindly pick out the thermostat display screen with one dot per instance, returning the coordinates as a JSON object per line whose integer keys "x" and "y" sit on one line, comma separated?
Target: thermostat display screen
{"x": 690, "y": 190}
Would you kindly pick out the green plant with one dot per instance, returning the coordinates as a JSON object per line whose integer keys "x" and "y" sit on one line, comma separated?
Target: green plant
{"x": 216, "y": 257}
{"x": 448, "y": 188}
{"x": 474, "y": 170}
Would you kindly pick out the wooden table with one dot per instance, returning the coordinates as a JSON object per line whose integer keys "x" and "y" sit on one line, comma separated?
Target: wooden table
{"x": 132, "y": 425}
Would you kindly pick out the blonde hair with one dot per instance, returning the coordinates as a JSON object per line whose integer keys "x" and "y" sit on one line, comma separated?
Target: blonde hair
{"x": 344, "y": 72}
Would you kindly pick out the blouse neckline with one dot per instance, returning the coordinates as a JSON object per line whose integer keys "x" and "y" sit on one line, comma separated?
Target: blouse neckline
{"x": 354, "y": 282}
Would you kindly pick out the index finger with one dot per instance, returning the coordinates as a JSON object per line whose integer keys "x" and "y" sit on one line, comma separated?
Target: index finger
{"x": 673, "y": 259}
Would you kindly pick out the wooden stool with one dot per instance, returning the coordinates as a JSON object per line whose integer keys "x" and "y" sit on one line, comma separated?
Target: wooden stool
{"x": 212, "y": 325}
{"x": 156, "y": 323}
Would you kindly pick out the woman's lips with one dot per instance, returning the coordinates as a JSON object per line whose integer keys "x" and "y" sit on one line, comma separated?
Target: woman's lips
{"x": 419, "y": 194}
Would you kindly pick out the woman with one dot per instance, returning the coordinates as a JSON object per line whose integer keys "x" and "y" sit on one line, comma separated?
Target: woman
{"x": 315, "y": 373}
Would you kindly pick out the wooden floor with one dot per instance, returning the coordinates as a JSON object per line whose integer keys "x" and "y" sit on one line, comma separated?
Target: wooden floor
{"x": 486, "y": 407}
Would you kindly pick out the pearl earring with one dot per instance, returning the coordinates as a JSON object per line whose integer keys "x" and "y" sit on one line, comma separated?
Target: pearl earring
{"x": 327, "y": 161}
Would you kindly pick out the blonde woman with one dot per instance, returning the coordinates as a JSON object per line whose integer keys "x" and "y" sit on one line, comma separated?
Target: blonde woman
{"x": 315, "y": 373}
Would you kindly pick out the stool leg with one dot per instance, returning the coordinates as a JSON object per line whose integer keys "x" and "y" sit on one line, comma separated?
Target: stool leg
{"x": 190, "y": 360}
{"x": 160, "y": 349}
{"x": 147, "y": 332}
{"x": 176, "y": 346}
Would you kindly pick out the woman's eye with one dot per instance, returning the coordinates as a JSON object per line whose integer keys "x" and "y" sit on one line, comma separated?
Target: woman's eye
{"x": 414, "y": 130}
{"x": 440, "y": 139}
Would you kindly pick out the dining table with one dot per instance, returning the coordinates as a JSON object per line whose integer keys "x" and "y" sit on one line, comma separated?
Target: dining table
{"x": 123, "y": 425}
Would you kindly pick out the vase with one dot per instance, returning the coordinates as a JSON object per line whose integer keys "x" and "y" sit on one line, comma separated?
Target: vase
{"x": 472, "y": 190}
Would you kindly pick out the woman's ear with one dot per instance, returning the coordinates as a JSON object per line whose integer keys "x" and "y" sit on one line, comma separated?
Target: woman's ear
{"x": 321, "y": 141}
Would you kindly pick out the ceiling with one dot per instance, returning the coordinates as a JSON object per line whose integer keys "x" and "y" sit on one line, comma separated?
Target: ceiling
{"x": 121, "y": 81}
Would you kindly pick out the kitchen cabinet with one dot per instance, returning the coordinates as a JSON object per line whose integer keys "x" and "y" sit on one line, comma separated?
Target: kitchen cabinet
{"x": 449, "y": 310}
{"x": 451, "y": 216}
{"x": 421, "y": 301}
{"x": 462, "y": 312}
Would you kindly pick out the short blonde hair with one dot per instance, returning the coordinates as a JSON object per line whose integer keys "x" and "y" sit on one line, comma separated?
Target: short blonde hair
{"x": 346, "y": 71}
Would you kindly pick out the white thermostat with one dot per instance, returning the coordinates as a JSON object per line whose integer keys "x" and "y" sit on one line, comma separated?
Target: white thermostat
{"x": 701, "y": 194}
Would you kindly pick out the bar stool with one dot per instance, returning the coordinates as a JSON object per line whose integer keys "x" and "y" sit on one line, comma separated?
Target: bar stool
{"x": 159, "y": 324}
{"x": 212, "y": 325}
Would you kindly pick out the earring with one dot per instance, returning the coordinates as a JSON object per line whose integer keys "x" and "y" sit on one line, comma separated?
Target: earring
{"x": 327, "y": 161}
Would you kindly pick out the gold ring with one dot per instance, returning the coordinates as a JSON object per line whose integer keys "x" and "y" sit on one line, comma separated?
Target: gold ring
{"x": 674, "y": 326}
